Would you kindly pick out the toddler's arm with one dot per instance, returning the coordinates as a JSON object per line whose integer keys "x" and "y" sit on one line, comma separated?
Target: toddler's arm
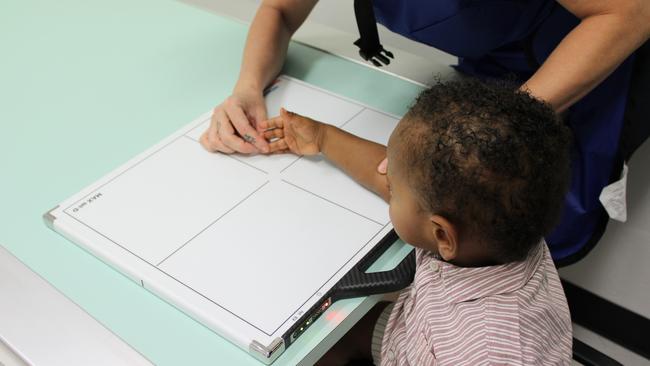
{"x": 305, "y": 136}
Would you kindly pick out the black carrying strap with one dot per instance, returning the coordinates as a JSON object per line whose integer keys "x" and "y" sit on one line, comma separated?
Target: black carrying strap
{"x": 369, "y": 47}
{"x": 357, "y": 282}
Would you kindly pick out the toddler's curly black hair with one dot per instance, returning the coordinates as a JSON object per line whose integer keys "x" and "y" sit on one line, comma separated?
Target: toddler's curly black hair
{"x": 490, "y": 158}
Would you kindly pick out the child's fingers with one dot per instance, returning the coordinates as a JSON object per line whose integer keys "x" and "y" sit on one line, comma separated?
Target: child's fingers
{"x": 271, "y": 123}
{"x": 278, "y": 145}
{"x": 275, "y": 133}
{"x": 287, "y": 114}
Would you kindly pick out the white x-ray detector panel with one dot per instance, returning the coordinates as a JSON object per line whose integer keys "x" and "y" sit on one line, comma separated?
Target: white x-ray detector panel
{"x": 247, "y": 245}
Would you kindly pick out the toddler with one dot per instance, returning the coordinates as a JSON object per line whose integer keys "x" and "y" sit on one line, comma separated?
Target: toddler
{"x": 476, "y": 177}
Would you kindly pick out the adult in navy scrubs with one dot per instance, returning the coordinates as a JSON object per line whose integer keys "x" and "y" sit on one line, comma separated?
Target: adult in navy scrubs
{"x": 576, "y": 55}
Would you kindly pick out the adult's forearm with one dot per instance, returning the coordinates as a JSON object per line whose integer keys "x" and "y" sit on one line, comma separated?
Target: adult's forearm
{"x": 357, "y": 157}
{"x": 265, "y": 50}
{"x": 268, "y": 39}
{"x": 586, "y": 56}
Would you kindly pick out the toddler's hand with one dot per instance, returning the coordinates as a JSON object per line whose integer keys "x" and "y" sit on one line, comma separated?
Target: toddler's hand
{"x": 295, "y": 133}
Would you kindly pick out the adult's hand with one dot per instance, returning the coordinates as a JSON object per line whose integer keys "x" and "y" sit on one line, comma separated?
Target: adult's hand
{"x": 234, "y": 122}
{"x": 233, "y": 127}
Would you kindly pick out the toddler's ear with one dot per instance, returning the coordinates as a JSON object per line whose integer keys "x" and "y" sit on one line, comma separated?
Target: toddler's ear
{"x": 382, "y": 168}
{"x": 446, "y": 237}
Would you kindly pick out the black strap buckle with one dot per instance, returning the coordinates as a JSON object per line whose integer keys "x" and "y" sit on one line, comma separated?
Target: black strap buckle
{"x": 369, "y": 47}
{"x": 374, "y": 55}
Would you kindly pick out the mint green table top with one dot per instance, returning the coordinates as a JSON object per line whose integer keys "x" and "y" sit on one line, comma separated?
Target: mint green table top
{"x": 85, "y": 86}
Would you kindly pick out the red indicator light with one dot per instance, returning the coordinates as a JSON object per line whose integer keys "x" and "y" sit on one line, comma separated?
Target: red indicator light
{"x": 334, "y": 316}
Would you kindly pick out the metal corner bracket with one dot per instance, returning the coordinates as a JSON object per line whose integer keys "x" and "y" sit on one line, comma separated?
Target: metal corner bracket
{"x": 49, "y": 218}
{"x": 267, "y": 354}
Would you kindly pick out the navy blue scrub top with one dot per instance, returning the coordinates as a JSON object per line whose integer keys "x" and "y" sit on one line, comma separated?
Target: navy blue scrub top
{"x": 495, "y": 39}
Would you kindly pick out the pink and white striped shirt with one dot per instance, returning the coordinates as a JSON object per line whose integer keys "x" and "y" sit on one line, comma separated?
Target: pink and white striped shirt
{"x": 511, "y": 314}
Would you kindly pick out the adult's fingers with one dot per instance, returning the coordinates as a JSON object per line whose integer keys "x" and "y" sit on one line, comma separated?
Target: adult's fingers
{"x": 244, "y": 128}
{"x": 227, "y": 134}
{"x": 258, "y": 114}
{"x": 214, "y": 144}
{"x": 210, "y": 139}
